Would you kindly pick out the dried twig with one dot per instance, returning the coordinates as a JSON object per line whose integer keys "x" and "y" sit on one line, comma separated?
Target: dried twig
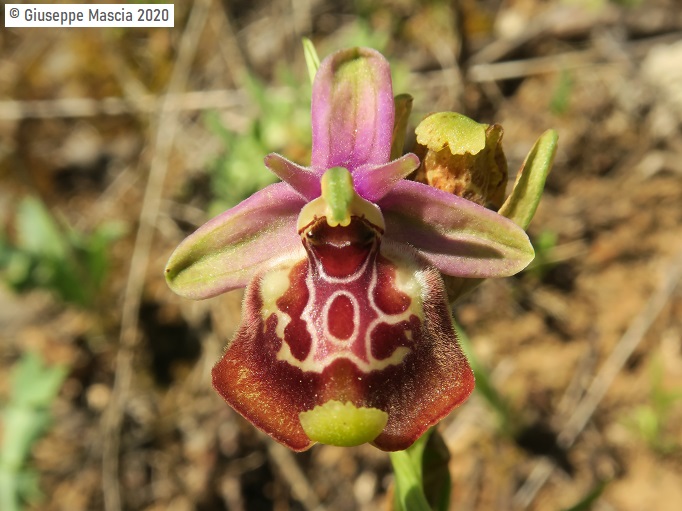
{"x": 165, "y": 133}
{"x": 145, "y": 104}
{"x": 533, "y": 66}
{"x": 486, "y": 72}
{"x": 228, "y": 45}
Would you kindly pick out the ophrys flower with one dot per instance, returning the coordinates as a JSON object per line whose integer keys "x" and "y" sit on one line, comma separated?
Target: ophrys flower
{"x": 346, "y": 333}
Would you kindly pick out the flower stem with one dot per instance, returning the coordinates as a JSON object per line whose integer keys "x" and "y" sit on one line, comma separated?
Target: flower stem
{"x": 409, "y": 484}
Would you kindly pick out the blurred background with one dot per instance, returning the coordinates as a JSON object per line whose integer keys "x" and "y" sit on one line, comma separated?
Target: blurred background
{"x": 117, "y": 143}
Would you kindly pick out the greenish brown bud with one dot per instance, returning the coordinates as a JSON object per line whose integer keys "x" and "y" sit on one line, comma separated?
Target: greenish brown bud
{"x": 462, "y": 157}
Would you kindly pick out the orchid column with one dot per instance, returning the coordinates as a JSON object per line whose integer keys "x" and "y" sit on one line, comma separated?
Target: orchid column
{"x": 346, "y": 333}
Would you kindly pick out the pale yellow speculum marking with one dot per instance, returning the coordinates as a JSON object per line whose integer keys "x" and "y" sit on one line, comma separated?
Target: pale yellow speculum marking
{"x": 313, "y": 365}
{"x": 406, "y": 281}
{"x": 409, "y": 280}
{"x": 273, "y": 285}
{"x": 343, "y": 424}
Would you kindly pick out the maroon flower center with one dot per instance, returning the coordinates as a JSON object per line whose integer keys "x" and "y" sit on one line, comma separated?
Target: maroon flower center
{"x": 340, "y": 250}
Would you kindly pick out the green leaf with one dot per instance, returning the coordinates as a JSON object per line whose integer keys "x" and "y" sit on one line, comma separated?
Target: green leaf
{"x": 53, "y": 255}
{"x": 37, "y": 232}
{"x": 9, "y": 490}
{"x": 561, "y": 98}
{"x": 17, "y": 267}
{"x": 34, "y": 387}
{"x": 16, "y": 486}
{"x": 33, "y": 383}
{"x": 422, "y": 475}
{"x": 436, "y": 472}
{"x": 520, "y": 206}
{"x": 25, "y": 418}
{"x": 97, "y": 252}
{"x": 312, "y": 61}
{"x": 409, "y": 494}
{"x": 29, "y": 486}
{"x": 586, "y": 503}
{"x": 281, "y": 123}
{"x": 22, "y": 426}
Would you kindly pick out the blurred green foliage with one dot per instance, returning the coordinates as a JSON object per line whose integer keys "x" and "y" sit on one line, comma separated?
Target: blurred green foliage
{"x": 25, "y": 418}
{"x": 51, "y": 254}
{"x": 281, "y": 124}
{"x": 544, "y": 245}
{"x": 601, "y": 4}
{"x": 561, "y": 98}
{"x": 408, "y": 470}
{"x": 507, "y": 423}
{"x": 649, "y": 421}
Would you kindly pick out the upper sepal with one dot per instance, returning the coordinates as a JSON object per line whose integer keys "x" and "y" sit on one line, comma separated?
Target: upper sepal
{"x": 352, "y": 110}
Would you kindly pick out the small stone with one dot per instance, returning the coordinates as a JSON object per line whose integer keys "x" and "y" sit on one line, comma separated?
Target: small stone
{"x": 98, "y": 396}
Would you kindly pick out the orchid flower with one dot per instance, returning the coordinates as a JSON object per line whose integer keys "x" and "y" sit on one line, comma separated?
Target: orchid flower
{"x": 346, "y": 333}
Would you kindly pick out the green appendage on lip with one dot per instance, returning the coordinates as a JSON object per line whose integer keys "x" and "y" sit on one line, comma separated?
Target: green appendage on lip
{"x": 342, "y": 424}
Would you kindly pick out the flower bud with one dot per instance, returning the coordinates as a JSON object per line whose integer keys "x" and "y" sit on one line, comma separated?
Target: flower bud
{"x": 462, "y": 157}
{"x": 465, "y": 158}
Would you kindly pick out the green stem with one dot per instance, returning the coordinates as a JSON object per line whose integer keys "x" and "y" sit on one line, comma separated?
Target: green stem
{"x": 409, "y": 476}
{"x": 409, "y": 489}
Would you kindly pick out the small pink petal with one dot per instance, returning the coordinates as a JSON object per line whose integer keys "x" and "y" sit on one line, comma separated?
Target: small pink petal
{"x": 374, "y": 182}
{"x": 302, "y": 179}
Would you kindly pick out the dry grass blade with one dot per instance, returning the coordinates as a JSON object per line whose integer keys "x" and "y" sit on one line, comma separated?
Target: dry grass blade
{"x": 11, "y": 110}
{"x": 165, "y": 133}
{"x": 289, "y": 470}
{"x": 513, "y": 69}
{"x": 533, "y": 66}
